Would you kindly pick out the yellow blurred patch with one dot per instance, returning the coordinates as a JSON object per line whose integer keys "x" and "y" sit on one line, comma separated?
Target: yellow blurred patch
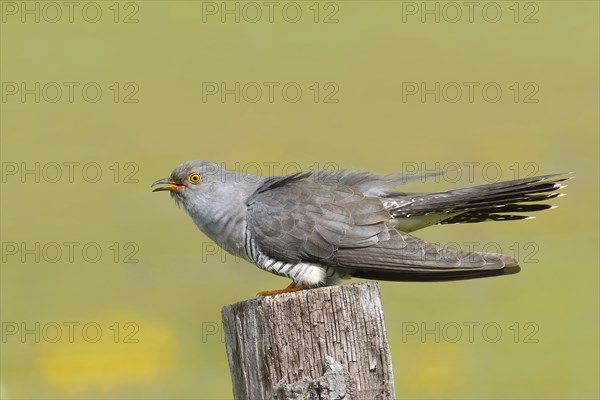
{"x": 436, "y": 371}
{"x": 127, "y": 352}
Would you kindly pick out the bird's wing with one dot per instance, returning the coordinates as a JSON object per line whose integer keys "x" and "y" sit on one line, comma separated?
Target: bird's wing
{"x": 333, "y": 224}
{"x": 309, "y": 220}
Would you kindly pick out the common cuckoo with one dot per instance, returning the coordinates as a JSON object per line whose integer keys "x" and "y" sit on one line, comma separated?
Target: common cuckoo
{"x": 319, "y": 227}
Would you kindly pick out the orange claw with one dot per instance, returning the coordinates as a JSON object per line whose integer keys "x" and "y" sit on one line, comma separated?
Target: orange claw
{"x": 291, "y": 288}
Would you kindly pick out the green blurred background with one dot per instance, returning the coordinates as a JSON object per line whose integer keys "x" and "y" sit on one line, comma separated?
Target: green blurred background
{"x": 159, "y": 54}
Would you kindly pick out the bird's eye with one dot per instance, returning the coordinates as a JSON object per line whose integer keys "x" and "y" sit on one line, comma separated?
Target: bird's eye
{"x": 194, "y": 178}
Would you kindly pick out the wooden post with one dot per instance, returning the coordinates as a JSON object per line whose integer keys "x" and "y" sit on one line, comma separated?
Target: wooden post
{"x": 322, "y": 344}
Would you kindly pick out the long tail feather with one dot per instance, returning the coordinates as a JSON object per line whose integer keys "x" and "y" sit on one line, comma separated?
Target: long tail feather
{"x": 476, "y": 204}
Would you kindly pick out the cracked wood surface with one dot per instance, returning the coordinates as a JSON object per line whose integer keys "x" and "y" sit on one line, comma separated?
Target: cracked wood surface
{"x": 322, "y": 344}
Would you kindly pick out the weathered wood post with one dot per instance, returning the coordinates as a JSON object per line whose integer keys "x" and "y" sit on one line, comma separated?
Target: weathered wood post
{"x": 322, "y": 344}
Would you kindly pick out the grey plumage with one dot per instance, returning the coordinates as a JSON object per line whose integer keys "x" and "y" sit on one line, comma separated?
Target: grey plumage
{"x": 320, "y": 227}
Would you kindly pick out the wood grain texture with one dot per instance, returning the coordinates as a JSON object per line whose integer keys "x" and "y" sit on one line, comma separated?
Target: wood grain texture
{"x": 325, "y": 343}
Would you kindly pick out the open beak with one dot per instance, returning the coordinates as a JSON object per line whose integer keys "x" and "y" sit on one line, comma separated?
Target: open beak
{"x": 167, "y": 181}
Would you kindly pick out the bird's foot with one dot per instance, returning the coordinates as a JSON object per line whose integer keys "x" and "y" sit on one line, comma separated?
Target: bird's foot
{"x": 291, "y": 288}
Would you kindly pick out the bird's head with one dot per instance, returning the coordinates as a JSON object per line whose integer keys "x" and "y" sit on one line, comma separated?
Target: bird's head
{"x": 191, "y": 180}
{"x": 212, "y": 196}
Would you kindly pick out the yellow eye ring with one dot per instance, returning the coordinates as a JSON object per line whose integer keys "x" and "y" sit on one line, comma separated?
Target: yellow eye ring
{"x": 194, "y": 179}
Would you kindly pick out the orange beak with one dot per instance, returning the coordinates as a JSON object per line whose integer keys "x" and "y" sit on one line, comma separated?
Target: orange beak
{"x": 167, "y": 181}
